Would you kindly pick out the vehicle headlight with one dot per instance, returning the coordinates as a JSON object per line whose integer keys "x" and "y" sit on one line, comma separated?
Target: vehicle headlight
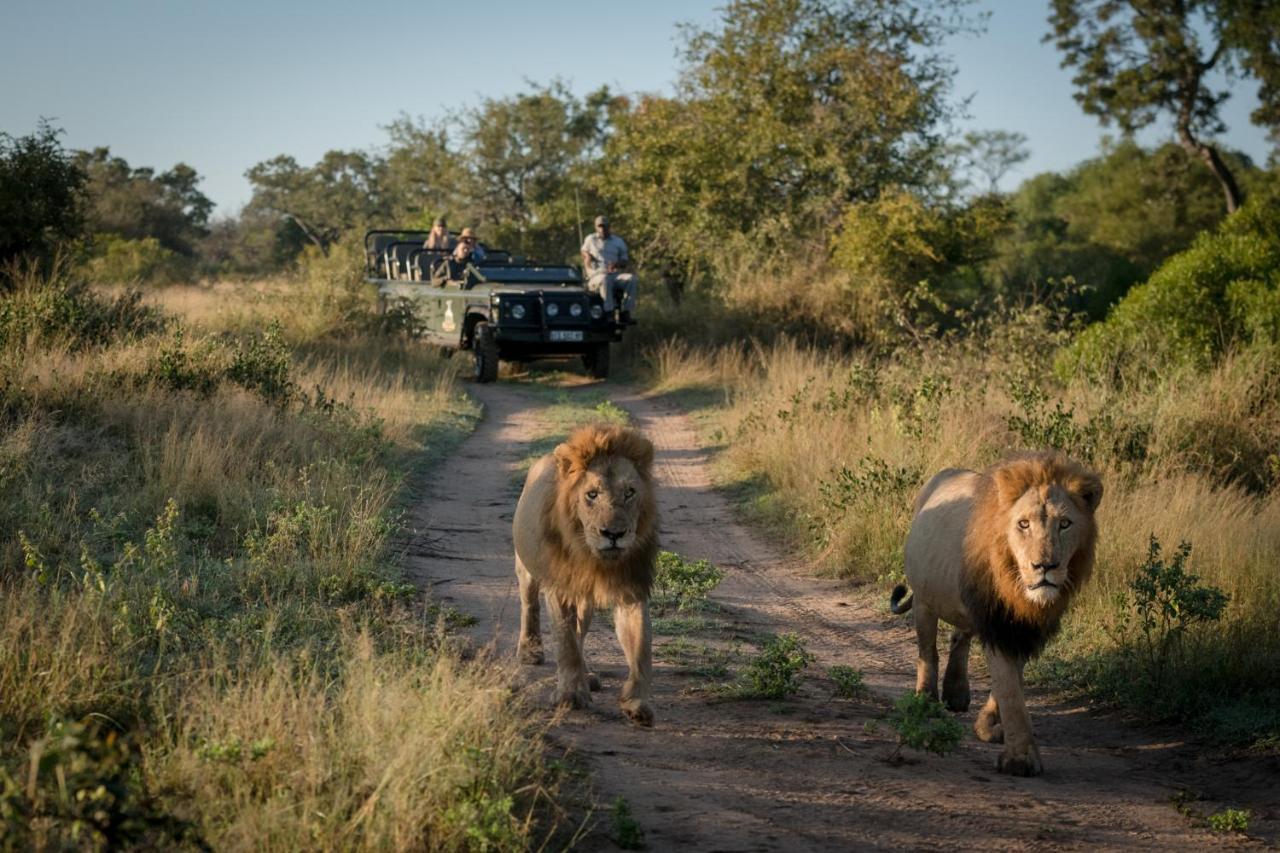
{"x": 517, "y": 311}
{"x": 597, "y": 311}
{"x": 552, "y": 309}
{"x": 575, "y": 310}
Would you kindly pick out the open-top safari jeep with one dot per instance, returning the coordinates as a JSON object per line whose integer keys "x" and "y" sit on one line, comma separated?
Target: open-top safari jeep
{"x": 503, "y": 308}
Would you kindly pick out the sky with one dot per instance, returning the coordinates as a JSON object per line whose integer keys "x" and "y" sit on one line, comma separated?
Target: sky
{"x": 222, "y": 86}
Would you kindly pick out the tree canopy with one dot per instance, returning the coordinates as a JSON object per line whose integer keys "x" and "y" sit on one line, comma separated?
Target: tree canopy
{"x": 1139, "y": 60}
{"x": 137, "y": 203}
{"x": 40, "y": 202}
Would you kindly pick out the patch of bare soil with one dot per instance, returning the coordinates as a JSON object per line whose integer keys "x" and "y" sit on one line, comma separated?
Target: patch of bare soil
{"x": 810, "y": 773}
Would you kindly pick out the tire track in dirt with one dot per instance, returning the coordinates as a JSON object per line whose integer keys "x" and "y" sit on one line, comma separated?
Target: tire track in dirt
{"x": 811, "y": 774}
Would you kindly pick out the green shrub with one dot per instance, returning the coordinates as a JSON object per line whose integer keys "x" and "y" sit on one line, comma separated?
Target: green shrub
{"x": 1162, "y": 605}
{"x": 117, "y": 260}
{"x": 775, "y": 672}
{"x": 82, "y": 789}
{"x": 1231, "y": 820}
{"x": 263, "y": 363}
{"x": 1222, "y": 292}
{"x": 61, "y": 309}
{"x": 848, "y": 682}
{"x": 683, "y": 584}
{"x": 923, "y": 723}
{"x": 627, "y": 833}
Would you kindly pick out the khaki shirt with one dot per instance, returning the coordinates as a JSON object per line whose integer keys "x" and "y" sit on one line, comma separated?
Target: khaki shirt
{"x": 604, "y": 251}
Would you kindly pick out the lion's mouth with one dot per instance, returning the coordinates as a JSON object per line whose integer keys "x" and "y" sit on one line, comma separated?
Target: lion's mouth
{"x": 1043, "y": 583}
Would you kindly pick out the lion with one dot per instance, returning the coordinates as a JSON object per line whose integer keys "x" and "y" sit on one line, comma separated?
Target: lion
{"x": 586, "y": 535}
{"x": 998, "y": 555}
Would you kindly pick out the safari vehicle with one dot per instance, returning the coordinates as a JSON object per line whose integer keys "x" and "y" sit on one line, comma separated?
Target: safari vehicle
{"x": 503, "y": 308}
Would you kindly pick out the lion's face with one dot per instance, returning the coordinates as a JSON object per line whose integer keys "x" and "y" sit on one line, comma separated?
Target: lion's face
{"x": 1045, "y": 529}
{"x": 608, "y": 504}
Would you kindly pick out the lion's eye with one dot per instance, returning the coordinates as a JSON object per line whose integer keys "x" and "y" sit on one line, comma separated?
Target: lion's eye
{"x": 1064, "y": 524}
{"x": 1024, "y": 524}
{"x": 592, "y": 495}
{"x": 631, "y": 493}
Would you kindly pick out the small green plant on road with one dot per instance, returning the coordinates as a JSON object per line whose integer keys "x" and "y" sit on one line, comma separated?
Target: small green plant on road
{"x": 775, "y": 673}
{"x": 848, "y": 682}
{"x": 924, "y": 724}
{"x": 682, "y": 584}
{"x": 627, "y": 833}
{"x": 1231, "y": 820}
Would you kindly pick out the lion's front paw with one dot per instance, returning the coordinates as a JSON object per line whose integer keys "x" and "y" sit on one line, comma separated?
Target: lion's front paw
{"x": 576, "y": 699}
{"x": 1020, "y": 763}
{"x": 956, "y": 699}
{"x": 638, "y": 712}
{"x": 530, "y": 653}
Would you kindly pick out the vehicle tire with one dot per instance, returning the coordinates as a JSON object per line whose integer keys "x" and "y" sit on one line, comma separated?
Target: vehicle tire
{"x": 485, "y": 349}
{"x": 596, "y": 360}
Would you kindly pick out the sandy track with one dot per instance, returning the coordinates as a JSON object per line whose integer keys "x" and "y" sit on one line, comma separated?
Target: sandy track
{"x": 811, "y": 775}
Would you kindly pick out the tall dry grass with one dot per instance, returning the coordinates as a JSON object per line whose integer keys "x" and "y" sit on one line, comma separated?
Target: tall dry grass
{"x": 829, "y": 447}
{"x": 199, "y": 614}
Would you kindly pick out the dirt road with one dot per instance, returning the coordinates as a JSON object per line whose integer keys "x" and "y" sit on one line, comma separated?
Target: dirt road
{"x": 811, "y": 773}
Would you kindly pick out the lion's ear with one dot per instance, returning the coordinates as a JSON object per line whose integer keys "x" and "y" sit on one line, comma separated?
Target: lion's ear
{"x": 566, "y": 459}
{"x": 644, "y": 456}
{"x": 1089, "y": 487}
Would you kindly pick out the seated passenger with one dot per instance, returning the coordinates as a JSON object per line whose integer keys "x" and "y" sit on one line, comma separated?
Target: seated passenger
{"x": 605, "y": 259}
{"x": 468, "y": 250}
{"x": 439, "y": 238}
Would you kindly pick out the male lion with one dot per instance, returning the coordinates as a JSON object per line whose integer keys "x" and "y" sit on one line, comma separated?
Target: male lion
{"x": 586, "y": 532}
{"x": 998, "y": 554}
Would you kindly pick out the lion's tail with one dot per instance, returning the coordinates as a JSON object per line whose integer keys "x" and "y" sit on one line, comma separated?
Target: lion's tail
{"x": 896, "y": 604}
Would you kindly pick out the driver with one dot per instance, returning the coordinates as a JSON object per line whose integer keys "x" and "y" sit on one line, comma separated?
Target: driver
{"x": 605, "y": 259}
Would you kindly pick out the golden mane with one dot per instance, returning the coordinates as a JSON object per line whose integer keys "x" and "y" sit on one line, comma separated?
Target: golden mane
{"x": 575, "y": 569}
{"x": 990, "y": 585}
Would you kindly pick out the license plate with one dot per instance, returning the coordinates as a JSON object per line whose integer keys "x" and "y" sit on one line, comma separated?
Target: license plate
{"x": 566, "y": 335}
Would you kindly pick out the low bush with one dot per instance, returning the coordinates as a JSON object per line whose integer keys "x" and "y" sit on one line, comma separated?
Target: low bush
{"x": 1220, "y": 294}
{"x": 923, "y": 723}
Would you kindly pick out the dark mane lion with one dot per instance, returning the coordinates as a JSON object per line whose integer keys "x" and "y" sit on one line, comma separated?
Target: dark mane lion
{"x": 989, "y": 583}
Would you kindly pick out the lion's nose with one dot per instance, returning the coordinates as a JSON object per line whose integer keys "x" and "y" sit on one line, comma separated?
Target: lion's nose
{"x": 612, "y": 535}
{"x": 1044, "y": 567}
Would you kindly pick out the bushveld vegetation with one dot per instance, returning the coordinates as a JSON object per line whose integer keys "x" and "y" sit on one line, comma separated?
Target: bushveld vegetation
{"x": 205, "y": 637}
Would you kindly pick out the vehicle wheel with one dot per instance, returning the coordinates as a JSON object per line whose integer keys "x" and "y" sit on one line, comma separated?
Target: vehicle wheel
{"x": 596, "y": 360}
{"x": 485, "y": 349}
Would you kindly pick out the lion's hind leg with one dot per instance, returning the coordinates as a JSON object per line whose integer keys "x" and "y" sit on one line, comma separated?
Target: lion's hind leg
{"x": 955, "y": 682}
{"x": 529, "y": 646}
{"x": 927, "y": 647}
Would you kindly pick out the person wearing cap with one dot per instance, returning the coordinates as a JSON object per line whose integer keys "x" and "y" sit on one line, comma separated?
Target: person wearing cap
{"x": 439, "y": 238}
{"x": 605, "y": 259}
{"x": 468, "y": 249}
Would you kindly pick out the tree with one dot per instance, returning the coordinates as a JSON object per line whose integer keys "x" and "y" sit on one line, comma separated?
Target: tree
{"x": 785, "y": 112}
{"x": 40, "y": 195}
{"x": 1138, "y": 60}
{"x": 343, "y": 190}
{"x": 136, "y": 204}
{"x": 992, "y": 153}
{"x": 531, "y": 160}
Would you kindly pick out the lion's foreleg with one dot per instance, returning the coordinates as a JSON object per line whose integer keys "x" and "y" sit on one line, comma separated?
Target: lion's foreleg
{"x": 632, "y": 623}
{"x": 927, "y": 650}
{"x": 955, "y": 682}
{"x": 1021, "y": 756}
{"x": 571, "y": 671}
{"x": 529, "y": 646}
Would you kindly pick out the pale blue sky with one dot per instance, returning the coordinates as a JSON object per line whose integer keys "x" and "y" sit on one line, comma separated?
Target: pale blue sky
{"x": 225, "y": 85}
